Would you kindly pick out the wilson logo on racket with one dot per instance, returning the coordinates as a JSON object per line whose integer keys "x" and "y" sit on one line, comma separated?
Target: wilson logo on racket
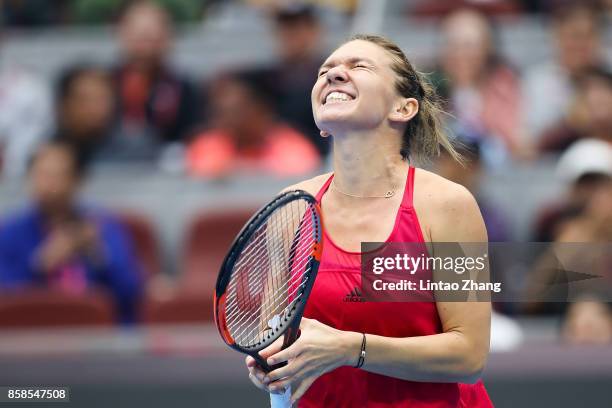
{"x": 274, "y": 323}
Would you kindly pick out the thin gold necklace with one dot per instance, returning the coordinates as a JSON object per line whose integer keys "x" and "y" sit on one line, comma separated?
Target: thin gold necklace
{"x": 388, "y": 194}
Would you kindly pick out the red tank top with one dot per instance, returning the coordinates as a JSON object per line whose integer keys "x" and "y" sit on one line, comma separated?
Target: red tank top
{"x": 335, "y": 302}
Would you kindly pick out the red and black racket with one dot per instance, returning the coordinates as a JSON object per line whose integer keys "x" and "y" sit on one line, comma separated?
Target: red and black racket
{"x": 267, "y": 277}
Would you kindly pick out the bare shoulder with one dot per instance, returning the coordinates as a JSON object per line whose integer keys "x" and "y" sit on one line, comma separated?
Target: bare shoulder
{"x": 439, "y": 192}
{"x": 447, "y": 209}
{"x": 311, "y": 186}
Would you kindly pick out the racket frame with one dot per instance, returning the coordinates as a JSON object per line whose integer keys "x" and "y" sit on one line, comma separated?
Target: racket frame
{"x": 290, "y": 331}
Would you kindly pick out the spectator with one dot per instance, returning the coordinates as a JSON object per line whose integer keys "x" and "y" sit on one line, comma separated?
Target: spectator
{"x": 549, "y": 7}
{"x": 347, "y": 7}
{"x": 550, "y": 87}
{"x": 588, "y": 319}
{"x": 103, "y": 11}
{"x": 469, "y": 175}
{"x": 298, "y": 34}
{"x": 589, "y": 117}
{"x": 586, "y": 167}
{"x": 424, "y": 8}
{"x": 33, "y": 13}
{"x": 60, "y": 243}
{"x": 156, "y": 105}
{"x": 246, "y": 136}
{"x": 25, "y": 118}
{"x": 483, "y": 92}
{"x": 588, "y": 322}
{"x": 85, "y": 105}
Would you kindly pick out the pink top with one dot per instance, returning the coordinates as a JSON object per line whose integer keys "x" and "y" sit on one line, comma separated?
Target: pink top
{"x": 335, "y": 301}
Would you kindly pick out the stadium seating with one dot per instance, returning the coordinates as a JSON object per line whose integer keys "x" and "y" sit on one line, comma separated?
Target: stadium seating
{"x": 144, "y": 239}
{"x": 207, "y": 240}
{"x": 49, "y": 308}
{"x": 180, "y": 308}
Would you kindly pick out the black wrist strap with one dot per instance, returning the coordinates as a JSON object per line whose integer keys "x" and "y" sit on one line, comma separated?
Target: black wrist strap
{"x": 362, "y": 354}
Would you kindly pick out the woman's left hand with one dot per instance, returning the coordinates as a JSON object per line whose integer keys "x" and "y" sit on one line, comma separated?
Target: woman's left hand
{"x": 318, "y": 350}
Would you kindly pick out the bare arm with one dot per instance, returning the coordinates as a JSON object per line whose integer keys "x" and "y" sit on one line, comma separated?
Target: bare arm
{"x": 459, "y": 353}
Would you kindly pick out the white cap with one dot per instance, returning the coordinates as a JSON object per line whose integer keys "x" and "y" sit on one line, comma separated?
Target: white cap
{"x": 585, "y": 157}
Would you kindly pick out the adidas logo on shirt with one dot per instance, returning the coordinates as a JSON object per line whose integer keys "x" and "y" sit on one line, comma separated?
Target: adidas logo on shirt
{"x": 354, "y": 296}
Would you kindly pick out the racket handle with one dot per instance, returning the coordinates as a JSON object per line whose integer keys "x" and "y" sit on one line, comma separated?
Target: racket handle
{"x": 281, "y": 400}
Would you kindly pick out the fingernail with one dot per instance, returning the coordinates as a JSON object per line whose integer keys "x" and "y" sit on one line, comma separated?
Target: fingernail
{"x": 271, "y": 361}
{"x": 266, "y": 380}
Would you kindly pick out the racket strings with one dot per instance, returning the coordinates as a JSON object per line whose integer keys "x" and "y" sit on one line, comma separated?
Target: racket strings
{"x": 295, "y": 268}
{"x": 255, "y": 285}
{"x": 255, "y": 252}
{"x": 269, "y": 276}
{"x": 264, "y": 309}
{"x": 267, "y": 306}
{"x": 244, "y": 268}
{"x": 246, "y": 332}
{"x": 234, "y": 309}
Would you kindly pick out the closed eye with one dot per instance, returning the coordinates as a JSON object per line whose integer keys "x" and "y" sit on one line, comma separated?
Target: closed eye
{"x": 322, "y": 72}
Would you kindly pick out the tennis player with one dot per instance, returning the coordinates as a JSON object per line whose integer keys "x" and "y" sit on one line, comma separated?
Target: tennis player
{"x": 382, "y": 115}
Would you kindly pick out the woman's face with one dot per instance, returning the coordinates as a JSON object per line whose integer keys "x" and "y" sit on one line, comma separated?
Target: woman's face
{"x": 355, "y": 89}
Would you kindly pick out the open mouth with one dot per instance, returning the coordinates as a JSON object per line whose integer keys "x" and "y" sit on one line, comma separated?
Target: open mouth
{"x": 337, "y": 97}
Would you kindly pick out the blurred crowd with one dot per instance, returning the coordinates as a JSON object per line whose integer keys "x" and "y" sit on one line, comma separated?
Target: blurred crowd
{"x": 258, "y": 120}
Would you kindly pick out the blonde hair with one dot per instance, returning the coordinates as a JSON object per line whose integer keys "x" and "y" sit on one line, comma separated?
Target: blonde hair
{"x": 424, "y": 135}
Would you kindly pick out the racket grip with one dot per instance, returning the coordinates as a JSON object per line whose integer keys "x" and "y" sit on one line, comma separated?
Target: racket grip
{"x": 281, "y": 400}
{"x": 279, "y": 365}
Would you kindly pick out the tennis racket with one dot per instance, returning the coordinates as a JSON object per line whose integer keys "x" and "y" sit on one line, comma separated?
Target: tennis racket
{"x": 267, "y": 277}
